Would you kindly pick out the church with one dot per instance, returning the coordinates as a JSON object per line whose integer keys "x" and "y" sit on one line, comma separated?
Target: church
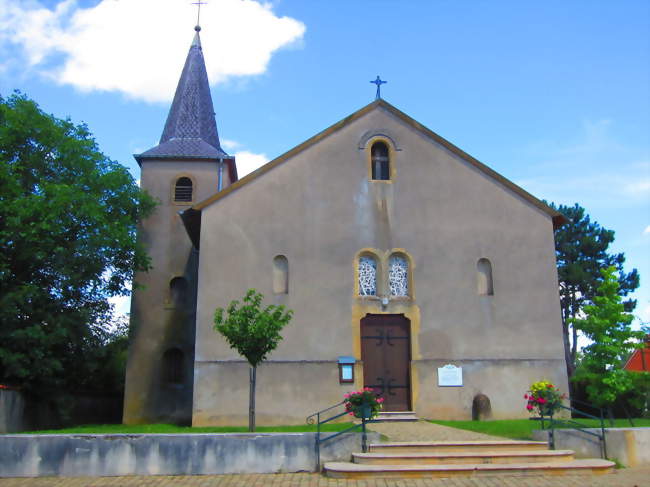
{"x": 411, "y": 268}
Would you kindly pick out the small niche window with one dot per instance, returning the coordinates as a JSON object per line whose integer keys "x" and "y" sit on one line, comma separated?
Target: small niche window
{"x": 484, "y": 277}
{"x": 380, "y": 161}
{"x": 178, "y": 291}
{"x": 398, "y": 275}
{"x": 172, "y": 366}
{"x": 367, "y": 276}
{"x": 280, "y": 275}
{"x": 183, "y": 190}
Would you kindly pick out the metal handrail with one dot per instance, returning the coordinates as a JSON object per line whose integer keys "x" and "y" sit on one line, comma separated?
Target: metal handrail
{"x": 315, "y": 419}
{"x": 571, "y": 423}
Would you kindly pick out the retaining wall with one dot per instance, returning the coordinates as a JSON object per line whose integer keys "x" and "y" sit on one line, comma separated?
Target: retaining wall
{"x": 168, "y": 454}
{"x": 629, "y": 446}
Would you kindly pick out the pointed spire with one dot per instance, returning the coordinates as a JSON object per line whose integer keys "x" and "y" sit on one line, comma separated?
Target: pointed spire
{"x": 191, "y": 128}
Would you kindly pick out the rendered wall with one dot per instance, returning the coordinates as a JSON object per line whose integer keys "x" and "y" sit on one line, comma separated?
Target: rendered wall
{"x": 158, "y": 323}
{"x": 196, "y": 454}
{"x": 629, "y": 446}
{"x": 319, "y": 210}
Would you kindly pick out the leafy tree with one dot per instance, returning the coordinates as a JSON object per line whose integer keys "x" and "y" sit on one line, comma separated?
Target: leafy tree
{"x": 581, "y": 251}
{"x": 253, "y": 332}
{"x": 68, "y": 217}
{"x": 607, "y": 325}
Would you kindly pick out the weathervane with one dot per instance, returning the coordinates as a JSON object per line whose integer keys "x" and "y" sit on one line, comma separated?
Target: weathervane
{"x": 378, "y": 82}
{"x": 198, "y": 14}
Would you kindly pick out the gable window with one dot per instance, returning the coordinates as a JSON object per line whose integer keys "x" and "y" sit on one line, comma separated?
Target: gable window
{"x": 398, "y": 275}
{"x": 280, "y": 275}
{"x": 183, "y": 190}
{"x": 380, "y": 161}
{"x": 367, "y": 276}
{"x": 484, "y": 277}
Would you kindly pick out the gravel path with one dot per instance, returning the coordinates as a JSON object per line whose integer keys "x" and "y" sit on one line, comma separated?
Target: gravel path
{"x": 424, "y": 431}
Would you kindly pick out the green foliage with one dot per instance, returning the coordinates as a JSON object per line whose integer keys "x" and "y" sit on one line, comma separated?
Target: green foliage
{"x": 522, "y": 429}
{"x": 172, "y": 428}
{"x": 252, "y": 331}
{"x": 68, "y": 217}
{"x": 581, "y": 248}
{"x": 607, "y": 325}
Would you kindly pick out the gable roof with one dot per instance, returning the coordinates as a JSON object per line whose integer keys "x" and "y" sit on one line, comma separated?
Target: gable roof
{"x": 639, "y": 361}
{"x": 557, "y": 217}
{"x": 191, "y": 128}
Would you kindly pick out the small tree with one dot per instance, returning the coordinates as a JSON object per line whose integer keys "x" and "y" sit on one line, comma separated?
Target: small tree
{"x": 607, "y": 325}
{"x": 253, "y": 332}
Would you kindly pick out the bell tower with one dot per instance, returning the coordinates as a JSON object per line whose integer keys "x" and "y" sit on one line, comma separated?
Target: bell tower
{"x": 186, "y": 167}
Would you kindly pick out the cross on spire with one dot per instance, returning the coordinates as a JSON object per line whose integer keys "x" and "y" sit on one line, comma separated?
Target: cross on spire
{"x": 198, "y": 14}
{"x": 378, "y": 82}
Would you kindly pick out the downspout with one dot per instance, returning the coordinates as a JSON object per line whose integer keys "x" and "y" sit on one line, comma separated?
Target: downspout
{"x": 220, "y": 180}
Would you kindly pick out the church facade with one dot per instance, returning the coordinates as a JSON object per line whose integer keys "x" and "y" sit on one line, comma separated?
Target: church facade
{"x": 411, "y": 268}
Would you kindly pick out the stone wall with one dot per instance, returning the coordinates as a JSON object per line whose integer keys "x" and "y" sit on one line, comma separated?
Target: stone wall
{"x": 168, "y": 454}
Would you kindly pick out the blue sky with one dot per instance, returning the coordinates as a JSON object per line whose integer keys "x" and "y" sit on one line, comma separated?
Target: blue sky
{"x": 553, "y": 95}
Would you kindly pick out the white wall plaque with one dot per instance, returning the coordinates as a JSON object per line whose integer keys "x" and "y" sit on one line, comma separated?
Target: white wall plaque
{"x": 450, "y": 376}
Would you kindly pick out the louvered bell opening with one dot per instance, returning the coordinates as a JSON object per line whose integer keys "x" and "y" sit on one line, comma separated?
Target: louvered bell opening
{"x": 183, "y": 190}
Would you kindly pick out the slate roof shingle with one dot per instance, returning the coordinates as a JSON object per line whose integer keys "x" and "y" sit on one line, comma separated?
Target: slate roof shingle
{"x": 191, "y": 127}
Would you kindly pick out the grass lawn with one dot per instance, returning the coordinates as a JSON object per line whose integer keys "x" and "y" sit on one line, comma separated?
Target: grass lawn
{"x": 107, "y": 429}
{"x": 521, "y": 429}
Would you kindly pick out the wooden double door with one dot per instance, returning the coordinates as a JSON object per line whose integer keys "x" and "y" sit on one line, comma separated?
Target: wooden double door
{"x": 386, "y": 356}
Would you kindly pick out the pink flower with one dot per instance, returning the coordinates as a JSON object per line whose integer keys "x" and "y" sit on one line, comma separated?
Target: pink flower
{"x": 525, "y": 396}
{"x": 380, "y": 400}
{"x": 541, "y": 400}
{"x": 529, "y": 407}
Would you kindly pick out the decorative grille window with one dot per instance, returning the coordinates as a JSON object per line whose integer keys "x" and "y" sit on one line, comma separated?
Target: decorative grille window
{"x": 367, "y": 276}
{"x": 398, "y": 269}
{"x": 183, "y": 190}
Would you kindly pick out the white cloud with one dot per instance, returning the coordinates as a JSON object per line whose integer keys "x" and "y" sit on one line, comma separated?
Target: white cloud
{"x": 646, "y": 231}
{"x": 137, "y": 47}
{"x": 639, "y": 187}
{"x": 229, "y": 144}
{"x": 595, "y": 166}
{"x": 247, "y": 162}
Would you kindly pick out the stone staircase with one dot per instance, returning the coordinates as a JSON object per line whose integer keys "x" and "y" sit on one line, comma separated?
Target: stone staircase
{"x": 469, "y": 458}
{"x": 394, "y": 416}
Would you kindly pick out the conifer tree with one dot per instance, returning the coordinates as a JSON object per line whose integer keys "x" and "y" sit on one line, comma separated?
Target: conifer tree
{"x": 581, "y": 248}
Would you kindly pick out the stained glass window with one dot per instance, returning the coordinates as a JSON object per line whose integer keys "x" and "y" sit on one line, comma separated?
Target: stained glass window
{"x": 367, "y": 276}
{"x": 398, "y": 269}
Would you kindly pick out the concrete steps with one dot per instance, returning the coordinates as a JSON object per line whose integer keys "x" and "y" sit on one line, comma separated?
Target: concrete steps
{"x": 457, "y": 446}
{"x": 455, "y": 458}
{"x": 356, "y": 471}
{"x": 388, "y": 416}
{"x": 450, "y": 459}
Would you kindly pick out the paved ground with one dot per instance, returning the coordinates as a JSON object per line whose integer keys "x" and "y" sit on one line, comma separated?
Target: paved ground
{"x": 425, "y": 431}
{"x": 621, "y": 478}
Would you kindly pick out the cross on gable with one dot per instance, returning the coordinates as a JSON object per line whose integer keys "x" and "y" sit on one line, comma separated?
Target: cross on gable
{"x": 378, "y": 82}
